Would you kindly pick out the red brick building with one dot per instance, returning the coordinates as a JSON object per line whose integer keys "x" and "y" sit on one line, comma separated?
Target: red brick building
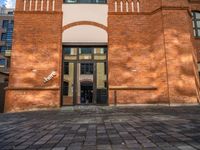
{"x": 97, "y": 52}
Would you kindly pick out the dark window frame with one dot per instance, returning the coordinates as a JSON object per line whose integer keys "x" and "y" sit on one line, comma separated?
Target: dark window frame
{"x": 105, "y": 84}
{"x": 194, "y": 21}
{"x": 105, "y": 68}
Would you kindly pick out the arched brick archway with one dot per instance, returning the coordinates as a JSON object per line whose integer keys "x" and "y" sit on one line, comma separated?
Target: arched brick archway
{"x": 91, "y": 23}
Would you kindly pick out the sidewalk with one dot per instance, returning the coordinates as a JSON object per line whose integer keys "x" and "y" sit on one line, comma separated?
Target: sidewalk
{"x": 103, "y": 128}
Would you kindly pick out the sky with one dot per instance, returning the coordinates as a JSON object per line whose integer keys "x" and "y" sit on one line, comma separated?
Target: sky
{"x": 8, "y": 3}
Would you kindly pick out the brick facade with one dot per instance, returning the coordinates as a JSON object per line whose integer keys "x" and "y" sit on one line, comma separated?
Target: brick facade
{"x": 151, "y": 54}
{"x": 153, "y": 48}
{"x": 36, "y": 53}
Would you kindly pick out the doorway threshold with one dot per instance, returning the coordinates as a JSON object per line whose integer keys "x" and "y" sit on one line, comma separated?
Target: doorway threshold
{"x": 84, "y": 107}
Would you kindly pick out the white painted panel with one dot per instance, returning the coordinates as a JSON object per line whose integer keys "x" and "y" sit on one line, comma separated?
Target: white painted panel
{"x": 85, "y": 12}
{"x": 85, "y": 34}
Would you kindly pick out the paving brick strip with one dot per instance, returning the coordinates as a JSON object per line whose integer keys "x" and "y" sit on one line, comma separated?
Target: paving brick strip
{"x": 103, "y": 128}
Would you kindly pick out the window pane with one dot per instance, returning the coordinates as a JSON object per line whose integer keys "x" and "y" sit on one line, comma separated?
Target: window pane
{"x": 2, "y": 49}
{"x": 105, "y": 50}
{"x": 198, "y": 24}
{"x": 9, "y": 47}
{"x": 197, "y": 15}
{"x": 68, "y": 82}
{"x": 198, "y": 32}
{"x": 101, "y": 1}
{"x": 2, "y": 61}
{"x": 85, "y": 1}
{"x": 66, "y": 68}
{"x": 67, "y": 50}
{"x": 100, "y": 50}
{"x": 10, "y": 13}
{"x": 86, "y": 50}
{"x": 10, "y": 25}
{"x": 65, "y": 88}
{"x": 70, "y": 1}
{"x": 86, "y": 68}
{"x": 101, "y": 85}
{"x": 5, "y": 24}
{"x": 3, "y": 37}
{"x": 9, "y": 41}
{"x": 10, "y": 30}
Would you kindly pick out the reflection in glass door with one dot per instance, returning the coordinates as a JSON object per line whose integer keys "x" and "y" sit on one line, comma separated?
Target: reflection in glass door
{"x": 101, "y": 83}
{"x": 85, "y": 70}
{"x": 68, "y": 83}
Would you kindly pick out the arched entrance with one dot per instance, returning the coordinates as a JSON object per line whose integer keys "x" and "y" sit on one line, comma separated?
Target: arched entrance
{"x": 84, "y": 63}
{"x": 84, "y": 75}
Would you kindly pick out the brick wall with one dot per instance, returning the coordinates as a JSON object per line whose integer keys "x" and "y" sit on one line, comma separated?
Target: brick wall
{"x": 152, "y": 53}
{"x": 36, "y": 53}
{"x": 136, "y": 58}
{"x": 179, "y": 54}
{"x": 152, "y": 48}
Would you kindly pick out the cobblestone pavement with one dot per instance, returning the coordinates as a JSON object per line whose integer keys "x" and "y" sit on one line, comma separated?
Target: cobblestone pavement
{"x": 103, "y": 128}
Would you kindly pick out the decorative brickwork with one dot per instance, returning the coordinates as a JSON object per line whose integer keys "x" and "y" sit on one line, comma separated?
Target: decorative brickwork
{"x": 85, "y": 23}
{"x": 126, "y": 6}
{"x": 38, "y": 5}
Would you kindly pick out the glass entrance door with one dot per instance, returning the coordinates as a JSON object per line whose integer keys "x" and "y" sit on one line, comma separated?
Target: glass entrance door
{"x": 84, "y": 75}
{"x": 101, "y": 83}
{"x": 85, "y": 82}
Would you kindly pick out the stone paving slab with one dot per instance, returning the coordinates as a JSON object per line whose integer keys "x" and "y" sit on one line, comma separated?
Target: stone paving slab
{"x": 103, "y": 128}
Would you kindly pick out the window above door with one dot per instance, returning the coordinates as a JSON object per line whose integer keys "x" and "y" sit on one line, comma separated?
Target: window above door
{"x": 85, "y": 1}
